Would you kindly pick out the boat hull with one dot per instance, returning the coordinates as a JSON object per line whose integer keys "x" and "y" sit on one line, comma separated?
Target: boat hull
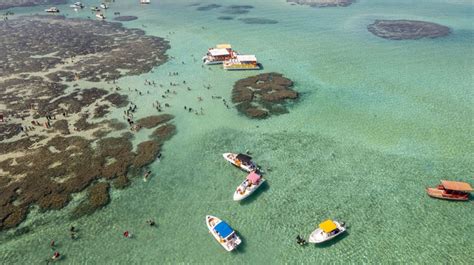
{"x": 248, "y": 191}
{"x": 211, "y": 222}
{"x": 439, "y": 194}
{"x": 319, "y": 236}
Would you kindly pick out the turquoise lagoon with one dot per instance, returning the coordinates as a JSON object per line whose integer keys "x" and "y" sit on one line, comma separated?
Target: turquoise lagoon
{"x": 377, "y": 122}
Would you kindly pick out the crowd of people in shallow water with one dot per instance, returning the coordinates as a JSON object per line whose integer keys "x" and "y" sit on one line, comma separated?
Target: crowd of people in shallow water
{"x": 129, "y": 117}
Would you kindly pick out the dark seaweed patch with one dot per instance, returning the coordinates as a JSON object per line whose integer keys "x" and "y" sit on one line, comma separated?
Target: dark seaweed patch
{"x": 237, "y": 9}
{"x": 225, "y": 18}
{"x": 125, "y": 18}
{"x": 208, "y": 7}
{"x": 256, "y": 20}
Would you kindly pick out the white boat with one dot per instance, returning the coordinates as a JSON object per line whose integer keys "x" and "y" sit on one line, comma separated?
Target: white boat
{"x": 248, "y": 186}
{"x": 77, "y": 5}
{"x": 94, "y": 8}
{"x": 219, "y": 54}
{"x": 223, "y": 233}
{"x": 241, "y": 161}
{"x": 52, "y": 10}
{"x": 242, "y": 62}
{"x": 100, "y": 16}
{"x": 327, "y": 230}
{"x": 104, "y": 6}
{"x": 144, "y": 1}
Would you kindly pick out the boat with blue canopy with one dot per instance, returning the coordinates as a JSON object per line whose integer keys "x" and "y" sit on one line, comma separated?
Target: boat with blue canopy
{"x": 223, "y": 233}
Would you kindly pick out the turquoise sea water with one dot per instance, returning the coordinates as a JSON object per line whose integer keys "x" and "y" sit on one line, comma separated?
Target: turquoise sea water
{"x": 377, "y": 122}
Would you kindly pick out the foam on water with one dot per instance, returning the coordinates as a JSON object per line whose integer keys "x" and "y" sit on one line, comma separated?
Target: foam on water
{"x": 376, "y": 123}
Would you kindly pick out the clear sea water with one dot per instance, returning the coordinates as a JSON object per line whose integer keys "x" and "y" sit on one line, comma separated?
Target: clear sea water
{"x": 377, "y": 122}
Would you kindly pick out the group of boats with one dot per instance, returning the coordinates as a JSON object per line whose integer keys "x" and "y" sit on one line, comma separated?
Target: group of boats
{"x": 328, "y": 229}
{"x": 78, "y": 6}
{"x": 230, "y": 59}
{"x": 253, "y": 180}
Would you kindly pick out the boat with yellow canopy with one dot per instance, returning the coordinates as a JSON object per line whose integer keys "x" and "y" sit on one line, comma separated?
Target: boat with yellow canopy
{"x": 327, "y": 230}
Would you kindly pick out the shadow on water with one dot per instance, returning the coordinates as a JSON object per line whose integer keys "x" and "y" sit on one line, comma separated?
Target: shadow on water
{"x": 241, "y": 248}
{"x": 256, "y": 194}
{"x": 332, "y": 242}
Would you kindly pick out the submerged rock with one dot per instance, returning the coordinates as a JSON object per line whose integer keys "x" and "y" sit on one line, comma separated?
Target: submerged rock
{"x": 208, "y": 7}
{"x": 154, "y": 120}
{"x": 237, "y": 9}
{"x": 225, "y": 18}
{"x": 4, "y": 4}
{"x": 125, "y": 18}
{"x": 256, "y": 20}
{"x": 407, "y": 29}
{"x": 323, "y": 3}
{"x": 263, "y": 95}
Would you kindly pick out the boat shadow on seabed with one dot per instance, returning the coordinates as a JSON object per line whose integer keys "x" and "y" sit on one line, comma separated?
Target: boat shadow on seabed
{"x": 256, "y": 194}
{"x": 333, "y": 241}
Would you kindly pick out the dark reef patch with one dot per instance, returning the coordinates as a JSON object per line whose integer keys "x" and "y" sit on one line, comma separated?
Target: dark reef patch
{"x": 98, "y": 197}
{"x": 125, "y": 18}
{"x": 407, "y": 29}
{"x": 263, "y": 95}
{"x": 225, "y": 18}
{"x": 255, "y": 20}
{"x": 323, "y": 3}
{"x": 208, "y": 7}
{"x": 4, "y": 4}
{"x": 237, "y": 9}
{"x": 153, "y": 121}
{"x": 117, "y": 99}
{"x": 86, "y": 49}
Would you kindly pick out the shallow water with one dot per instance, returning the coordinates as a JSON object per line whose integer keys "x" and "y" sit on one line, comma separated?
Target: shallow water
{"x": 377, "y": 122}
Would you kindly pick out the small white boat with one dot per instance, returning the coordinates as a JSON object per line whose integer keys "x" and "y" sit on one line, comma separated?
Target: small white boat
{"x": 241, "y": 161}
{"x": 327, "y": 230}
{"x": 144, "y": 1}
{"x": 248, "y": 186}
{"x": 223, "y": 233}
{"x": 94, "y": 8}
{"x": 52, "y": 10}
{"x": 77, "y": 5}
{"x": 100, "y": 16}
{"x": 104, "y": 6}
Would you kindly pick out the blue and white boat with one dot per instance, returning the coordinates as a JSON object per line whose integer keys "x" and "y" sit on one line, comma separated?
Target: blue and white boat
{"x": 223, "y": 233}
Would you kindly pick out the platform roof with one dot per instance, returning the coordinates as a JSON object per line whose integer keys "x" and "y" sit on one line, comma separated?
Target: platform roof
{"x": 456, "y": 185}
{"x": 219, "y": 52}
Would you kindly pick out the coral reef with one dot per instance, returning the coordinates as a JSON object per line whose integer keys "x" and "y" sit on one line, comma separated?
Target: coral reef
{"x": 4, "y": 4}
{"x": 86, "y": 49}
{"x": 263, "y": 95}
{"x": 323, "y": 3}
{"x": 407, "y": 29}
{"x": 50, "y": 147}
{"x": 256, "y": 20}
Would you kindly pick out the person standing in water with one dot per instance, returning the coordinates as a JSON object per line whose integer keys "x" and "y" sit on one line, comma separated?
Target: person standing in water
{"x": 147, "y": 174}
